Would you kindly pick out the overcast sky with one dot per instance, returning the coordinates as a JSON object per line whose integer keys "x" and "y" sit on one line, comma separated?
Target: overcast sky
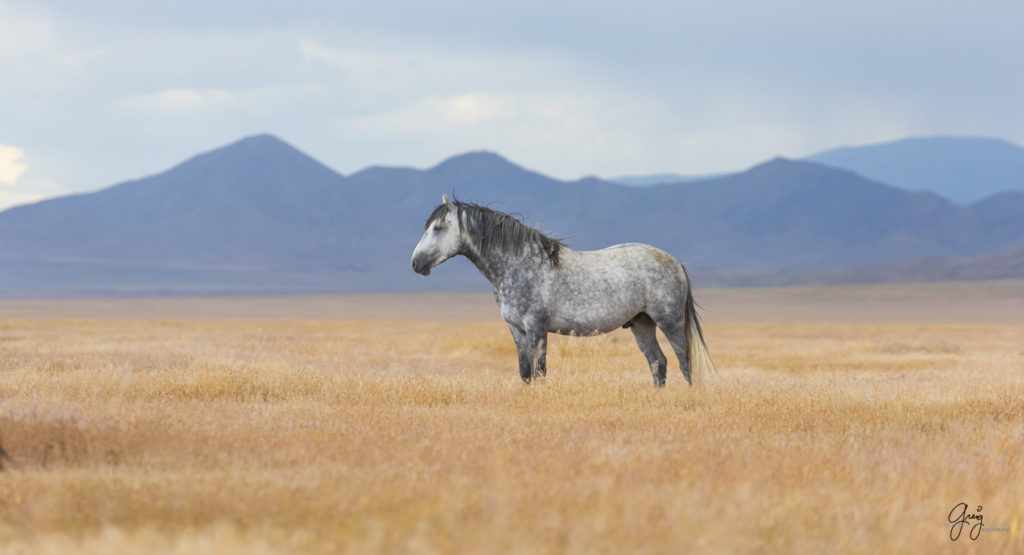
{"x": 98, "y": 92}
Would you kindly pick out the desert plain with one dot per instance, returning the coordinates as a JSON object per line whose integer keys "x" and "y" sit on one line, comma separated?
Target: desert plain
{"x": 846, "y": 419}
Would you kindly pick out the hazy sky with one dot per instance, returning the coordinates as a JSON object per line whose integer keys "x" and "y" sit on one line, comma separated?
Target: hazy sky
{"x": 98, "y": 92}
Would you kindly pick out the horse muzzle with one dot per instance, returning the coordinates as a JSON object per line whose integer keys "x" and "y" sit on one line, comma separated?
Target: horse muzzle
{"x": 421, "y": 267}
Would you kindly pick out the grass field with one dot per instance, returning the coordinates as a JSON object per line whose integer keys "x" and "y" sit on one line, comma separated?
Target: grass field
{"x": 847, "y": 420}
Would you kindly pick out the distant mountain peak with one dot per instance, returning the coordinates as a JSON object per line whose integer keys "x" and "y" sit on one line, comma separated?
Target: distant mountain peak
{"x": 930, "y": 140}
{"x": 484, "y": 165}
{"x": 263, "y": 143}
{"x": 962, "y": 169}
{"x": 789, "y": 165}
{"x": 475, "y": 158}
{"x": 778, "y": 161}
{"x": 262, "y": 151}
{"x": 260, "y": 138}
{"x": 781, "y": 164}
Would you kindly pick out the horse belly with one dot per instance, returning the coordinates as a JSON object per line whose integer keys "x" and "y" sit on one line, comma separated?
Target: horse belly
{"x": 594, "y": 313}
{"x": 581, "y": 327}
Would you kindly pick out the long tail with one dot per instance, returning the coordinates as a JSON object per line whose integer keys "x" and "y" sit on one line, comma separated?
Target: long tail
{"x": 702, "y": 368}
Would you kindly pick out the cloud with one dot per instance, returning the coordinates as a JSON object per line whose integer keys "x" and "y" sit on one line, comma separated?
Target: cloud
{"x": 469, "y": 109}
{"x": 441, "y": 114}
{"x": 15, "y": 187}
{"x": 177, "y": 100}
{"x": 18, "y": 188}
{"x": 79, "y": 58}
{"x": 9, "y": 198}
{"x": 359, "y": 63}
{"x": 564, "y": 115}
{"x": 567, "y": 88}
{"x": 11, "y": 164}
{"x": 28, "y": 191}
{"x": 25, "y": 34}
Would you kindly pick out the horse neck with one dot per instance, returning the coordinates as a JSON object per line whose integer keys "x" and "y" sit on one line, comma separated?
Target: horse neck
{"x": 500, "y": 265}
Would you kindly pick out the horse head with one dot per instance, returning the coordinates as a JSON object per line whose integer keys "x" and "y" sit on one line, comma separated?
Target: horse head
{"x": 442, "y": 238}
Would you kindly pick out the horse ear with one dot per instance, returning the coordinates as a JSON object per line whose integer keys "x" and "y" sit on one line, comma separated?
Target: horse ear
{"x": 447, "y": 201}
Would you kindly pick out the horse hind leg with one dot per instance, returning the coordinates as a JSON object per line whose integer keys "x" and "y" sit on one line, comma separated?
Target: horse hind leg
{"x": 644, "y": 330}
{"x": 676, "y": 335}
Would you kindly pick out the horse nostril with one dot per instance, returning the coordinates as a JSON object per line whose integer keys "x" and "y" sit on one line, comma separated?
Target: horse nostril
{"x": 418, "y": 266}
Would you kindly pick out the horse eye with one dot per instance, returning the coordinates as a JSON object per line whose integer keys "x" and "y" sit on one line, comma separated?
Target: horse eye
{"x": 437, "y": 227}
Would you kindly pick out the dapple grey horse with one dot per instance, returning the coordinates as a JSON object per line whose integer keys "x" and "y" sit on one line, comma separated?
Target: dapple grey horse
{"x": 544, "y": 286}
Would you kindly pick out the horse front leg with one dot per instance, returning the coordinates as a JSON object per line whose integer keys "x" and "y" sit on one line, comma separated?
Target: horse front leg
{"x": 540, "y": 366}
{"x": 532, "y": 347}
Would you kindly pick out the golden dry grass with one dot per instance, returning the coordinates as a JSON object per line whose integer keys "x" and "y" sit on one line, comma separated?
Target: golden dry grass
{"x": 279, "y": 435}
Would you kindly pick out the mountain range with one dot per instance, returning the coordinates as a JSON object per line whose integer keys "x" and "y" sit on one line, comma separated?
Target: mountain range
{"x": 961, "y": 169}
{"x": 260, "y": 216}
{"x": 964, "y": 170}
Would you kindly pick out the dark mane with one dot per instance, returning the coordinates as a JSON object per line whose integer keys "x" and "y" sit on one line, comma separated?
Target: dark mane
{"x": 492, "y": 229}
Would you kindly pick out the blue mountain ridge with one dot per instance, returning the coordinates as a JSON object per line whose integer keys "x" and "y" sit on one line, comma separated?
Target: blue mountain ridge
{"x": 962, "y": 169}
{"x": 259, "y": 216}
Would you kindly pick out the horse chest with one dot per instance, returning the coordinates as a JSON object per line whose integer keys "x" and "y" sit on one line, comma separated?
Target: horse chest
{"x": 512, "y": 308}
{"x": 520, "y": 306}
